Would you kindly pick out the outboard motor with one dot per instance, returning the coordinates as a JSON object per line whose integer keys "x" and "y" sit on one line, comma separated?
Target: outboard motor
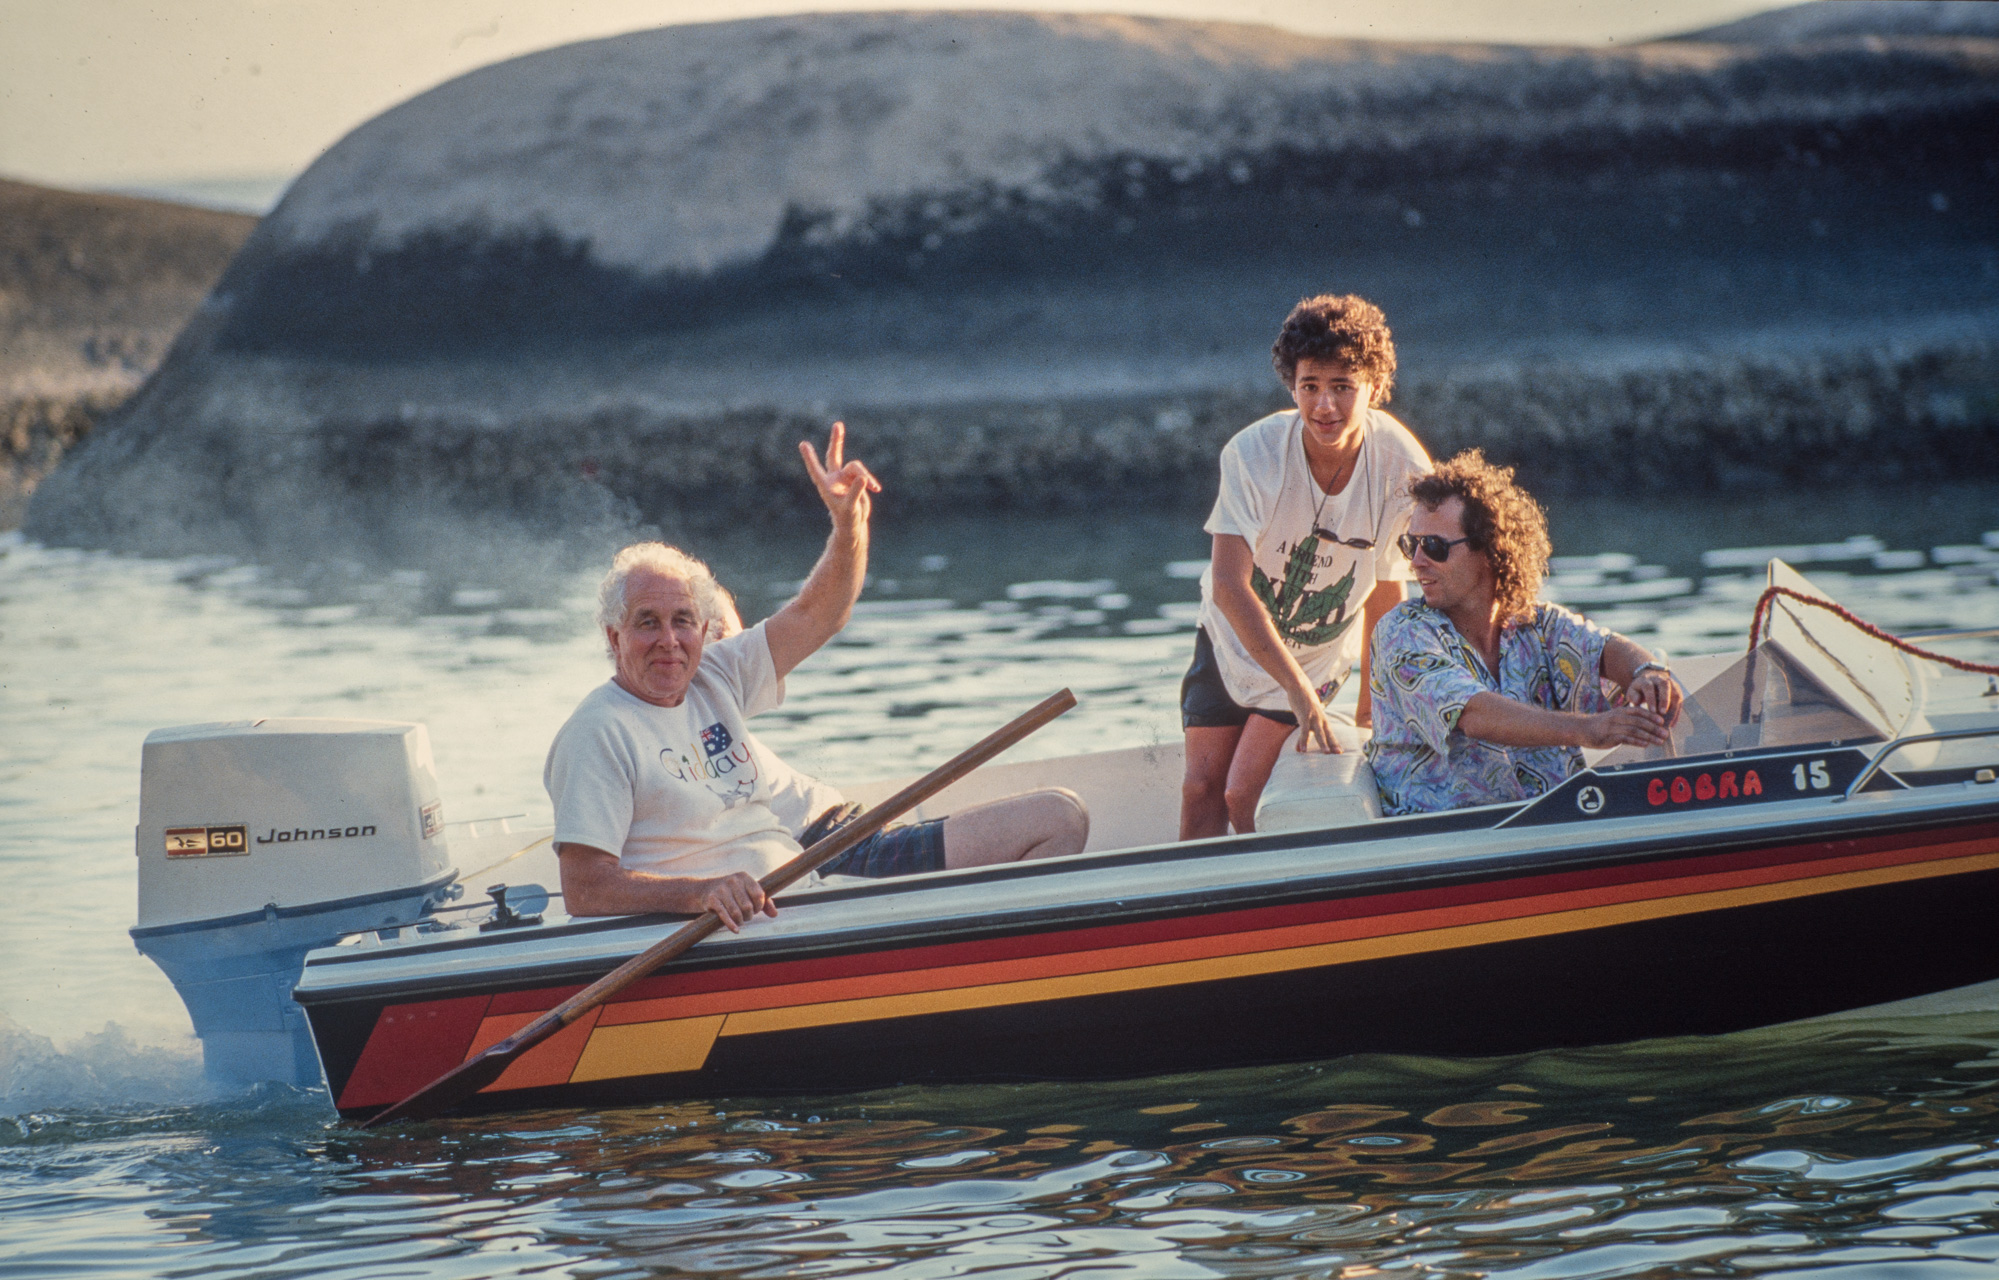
{"x": 259, "y": 840}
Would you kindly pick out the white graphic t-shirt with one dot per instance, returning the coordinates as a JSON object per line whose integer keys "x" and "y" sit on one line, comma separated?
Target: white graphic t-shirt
{"x": 681, "y": 791}
{"x": 796, "y": 798}
{"x": 1312, "y": 585}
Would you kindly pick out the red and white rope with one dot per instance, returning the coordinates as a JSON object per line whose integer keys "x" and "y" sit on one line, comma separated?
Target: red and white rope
{"x": 1770, "y": 595}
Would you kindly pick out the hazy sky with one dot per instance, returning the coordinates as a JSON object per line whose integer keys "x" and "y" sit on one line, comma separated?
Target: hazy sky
{"x": 110, "y": 92}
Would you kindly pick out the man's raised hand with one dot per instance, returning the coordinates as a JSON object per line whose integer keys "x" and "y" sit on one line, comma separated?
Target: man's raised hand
{"x": 843, "y": 486}
{"x": 826, "y": 601}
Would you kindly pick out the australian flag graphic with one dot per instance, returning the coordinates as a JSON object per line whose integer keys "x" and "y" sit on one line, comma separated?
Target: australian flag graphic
{"x": 715, "y": 739}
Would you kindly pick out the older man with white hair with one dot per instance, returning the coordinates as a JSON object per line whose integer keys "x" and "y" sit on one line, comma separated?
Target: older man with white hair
{"x": 662, "y": 798}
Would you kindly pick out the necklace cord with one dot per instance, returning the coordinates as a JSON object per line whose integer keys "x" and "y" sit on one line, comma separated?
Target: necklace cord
{"x": 1359, "y": 456}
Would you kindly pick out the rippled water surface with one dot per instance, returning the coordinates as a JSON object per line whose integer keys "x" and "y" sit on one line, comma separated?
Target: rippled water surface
{"x": 1845, "y": 1149}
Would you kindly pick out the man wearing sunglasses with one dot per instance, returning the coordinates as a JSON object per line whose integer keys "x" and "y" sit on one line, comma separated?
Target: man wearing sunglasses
{"x": 1483, "y": 694}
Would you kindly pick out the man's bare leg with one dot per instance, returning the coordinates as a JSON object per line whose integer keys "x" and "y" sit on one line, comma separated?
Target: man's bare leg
{"x": 1203, "y": 788}
{"x": 1040, "y": 824}
{"x": 1255, "y": 756}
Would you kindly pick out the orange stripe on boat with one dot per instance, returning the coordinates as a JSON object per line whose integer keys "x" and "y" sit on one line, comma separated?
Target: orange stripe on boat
{"x": 549, "y": 1062}
{"x": 946, "y": 1000}
{"x": 1071, "y": 939}
{"x": 1213, "y": 946}
{"x": 647, "y": 1048}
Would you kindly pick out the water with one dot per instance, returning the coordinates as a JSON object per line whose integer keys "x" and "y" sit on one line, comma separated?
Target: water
{"x": 1852, "y": 1149}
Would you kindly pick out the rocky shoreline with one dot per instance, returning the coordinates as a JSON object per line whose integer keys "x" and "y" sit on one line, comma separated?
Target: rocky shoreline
{"x": 35, "y": 433}
{"x": 1927, "y": 412}
{"x": 1669, "y": 267}
{"x": 93, "y": 291}
{"x": 385, "y": 484}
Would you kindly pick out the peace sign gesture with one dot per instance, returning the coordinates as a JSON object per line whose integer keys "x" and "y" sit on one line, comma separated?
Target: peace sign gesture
{"x": 843, "y": 486}
{"x": 826, "y": 601}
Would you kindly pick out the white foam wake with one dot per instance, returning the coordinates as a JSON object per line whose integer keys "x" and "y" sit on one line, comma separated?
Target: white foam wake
{"x": 98, "y": 1069}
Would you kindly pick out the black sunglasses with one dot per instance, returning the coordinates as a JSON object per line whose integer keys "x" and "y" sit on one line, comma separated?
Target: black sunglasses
{"x": 1358, "y": 544}
{"x": 1435, "y": 545}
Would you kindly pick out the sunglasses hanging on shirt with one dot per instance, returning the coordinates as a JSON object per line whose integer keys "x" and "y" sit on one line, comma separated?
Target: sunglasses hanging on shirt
{"x": 1358, "y": 544}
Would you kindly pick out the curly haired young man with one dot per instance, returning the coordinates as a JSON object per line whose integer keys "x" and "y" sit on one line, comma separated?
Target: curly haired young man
{"x": 1303, "y": 566}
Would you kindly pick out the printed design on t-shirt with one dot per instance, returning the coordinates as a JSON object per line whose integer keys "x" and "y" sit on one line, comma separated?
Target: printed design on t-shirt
{"x": 726, "y": 767}
{"x": 1305, "y": 618}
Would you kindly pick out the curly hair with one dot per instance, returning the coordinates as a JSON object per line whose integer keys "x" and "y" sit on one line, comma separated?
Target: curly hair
{"x": 1500, "y": 519}
{"x": 1337, "y": 326}
{"x": 668, "y": 561}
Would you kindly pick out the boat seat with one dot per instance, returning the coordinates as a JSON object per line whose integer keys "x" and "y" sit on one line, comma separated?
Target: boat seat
{"x": 1311, "y": 790}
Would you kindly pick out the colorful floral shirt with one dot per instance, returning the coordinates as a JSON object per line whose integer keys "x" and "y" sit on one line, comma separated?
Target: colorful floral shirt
{"x": 1423, "y": 674}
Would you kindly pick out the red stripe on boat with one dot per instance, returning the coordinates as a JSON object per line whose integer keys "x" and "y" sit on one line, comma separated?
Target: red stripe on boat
{"x": 1054, "y": 942}
{"x": 412, "y": 1045}
{"x": 1251, "y": 920}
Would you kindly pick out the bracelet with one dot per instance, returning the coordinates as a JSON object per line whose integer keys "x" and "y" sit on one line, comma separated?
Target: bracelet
{"x": 1653, "y": 665}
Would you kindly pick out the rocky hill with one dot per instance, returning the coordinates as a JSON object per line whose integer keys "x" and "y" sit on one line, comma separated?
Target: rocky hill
{"x": 1839, "y": 19}
{"x": 1037, "y": 259}
{"x": 92, "y": 291}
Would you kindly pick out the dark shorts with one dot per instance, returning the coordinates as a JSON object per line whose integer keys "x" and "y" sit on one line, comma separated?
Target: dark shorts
{"x": 895, "y": 851}
{"x": 1204, "y": 699}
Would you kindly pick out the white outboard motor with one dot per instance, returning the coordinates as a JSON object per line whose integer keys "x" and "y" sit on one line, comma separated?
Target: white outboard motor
{"x": 259, "y": 840}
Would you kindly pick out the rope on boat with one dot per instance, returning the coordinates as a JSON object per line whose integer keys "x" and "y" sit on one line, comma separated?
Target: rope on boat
{"x": 1770, "y": 595}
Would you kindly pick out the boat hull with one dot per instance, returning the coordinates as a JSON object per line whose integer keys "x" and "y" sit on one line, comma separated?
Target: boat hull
{"x": 1249, "y": 951}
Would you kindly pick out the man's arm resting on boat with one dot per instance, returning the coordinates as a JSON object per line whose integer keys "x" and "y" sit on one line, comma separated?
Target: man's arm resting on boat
{"x": 1652, "y": 704}
{"x": 1492, "y": 717}
{"x": 1654, "y": 689}
{"x": 595, "y": 883}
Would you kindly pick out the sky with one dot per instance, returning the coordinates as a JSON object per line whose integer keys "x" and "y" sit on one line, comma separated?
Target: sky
{"x": 241, "y": 94}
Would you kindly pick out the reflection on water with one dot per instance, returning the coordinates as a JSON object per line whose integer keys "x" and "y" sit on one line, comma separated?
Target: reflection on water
{"x": 1842, "y": 1149}
{"x": 1778, "y": 1149}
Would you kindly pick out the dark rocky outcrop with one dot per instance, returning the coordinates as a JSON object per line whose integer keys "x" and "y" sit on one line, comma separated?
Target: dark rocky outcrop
{"x": 1036, "y": 260}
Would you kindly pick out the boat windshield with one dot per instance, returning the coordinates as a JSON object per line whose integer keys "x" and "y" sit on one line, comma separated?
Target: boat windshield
{"x": 1765, "y": 699}
{"x": 1814, "y": 678}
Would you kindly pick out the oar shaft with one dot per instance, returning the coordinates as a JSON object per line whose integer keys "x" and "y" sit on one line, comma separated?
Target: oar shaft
{"x": 481, "y": 1069}
{"x": 675, "y": 943}
{"x": 918, "y": 791}
{"x": 821, "y": 853}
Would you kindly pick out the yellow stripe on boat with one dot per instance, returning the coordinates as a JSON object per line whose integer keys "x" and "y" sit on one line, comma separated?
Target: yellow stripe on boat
{"x": 1221, "y": 968}
{"x": 647, "y": 1048}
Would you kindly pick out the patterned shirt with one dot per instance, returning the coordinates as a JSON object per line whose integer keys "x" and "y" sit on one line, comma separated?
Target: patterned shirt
{"x": 1423, "y": 674}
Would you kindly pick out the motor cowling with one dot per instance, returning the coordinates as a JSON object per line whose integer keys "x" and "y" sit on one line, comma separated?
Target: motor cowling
{"x": 259, "y": 840}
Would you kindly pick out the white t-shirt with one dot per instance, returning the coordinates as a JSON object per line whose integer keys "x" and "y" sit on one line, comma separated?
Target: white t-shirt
{"x": 1269, "y": 499}
{"x": 681, "y": 791}
{"x": 797, "y": 798}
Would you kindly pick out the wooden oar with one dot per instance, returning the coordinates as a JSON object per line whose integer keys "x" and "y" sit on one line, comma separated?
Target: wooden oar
{"x": 480, "y": 1070}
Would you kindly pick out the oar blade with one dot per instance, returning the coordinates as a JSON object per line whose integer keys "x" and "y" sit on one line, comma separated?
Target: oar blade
{"x": 451, "y": 1088}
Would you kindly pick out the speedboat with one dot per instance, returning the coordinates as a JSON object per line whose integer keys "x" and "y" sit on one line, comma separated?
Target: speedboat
{"x": 1821, "y": 836}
